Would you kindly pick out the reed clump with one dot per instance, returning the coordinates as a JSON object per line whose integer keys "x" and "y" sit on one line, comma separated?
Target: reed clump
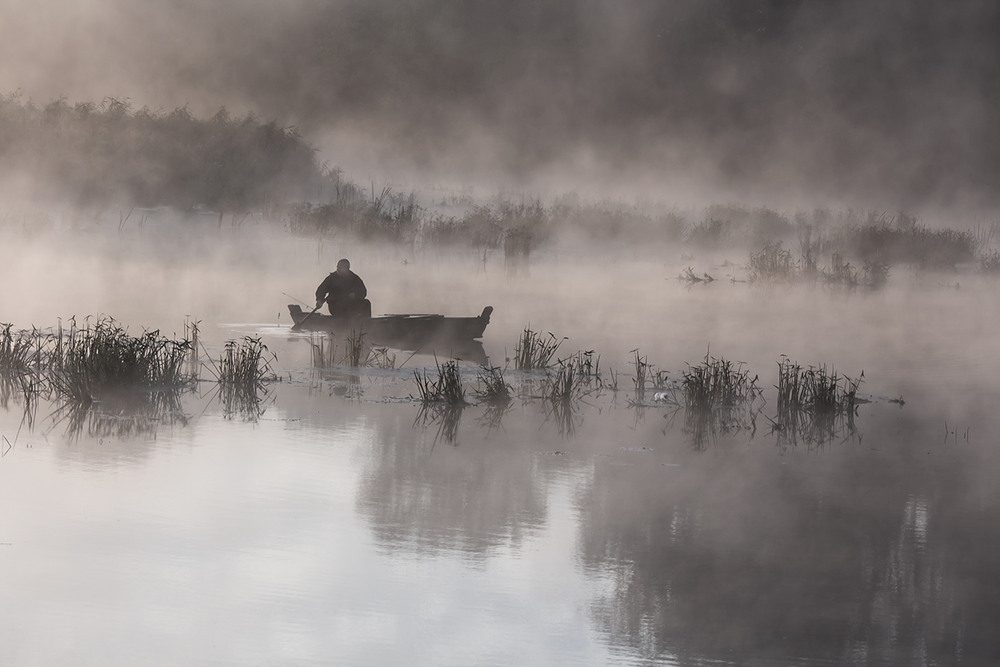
{"x": 17, "y": 348}
{"x": 492, "y": 388}
{"x": 648, "y": 378}
{"x": 86, "y": 362}
{"x": 718, "y": 382}
{"x": 772, "y": 263}
{"x": 447, "y": 388}
{"x": 244, "y": 364}
{"x": 241, "y": 372}
{"x": 813, "y": 404}
{"x": 356, "y": 352}
{"x": 815, "y": 389}
{"x": 534, "y": 351}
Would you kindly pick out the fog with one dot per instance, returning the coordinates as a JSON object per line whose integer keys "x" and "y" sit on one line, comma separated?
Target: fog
{"x": 656, "y": 184}
{"x": 891, "y": 105}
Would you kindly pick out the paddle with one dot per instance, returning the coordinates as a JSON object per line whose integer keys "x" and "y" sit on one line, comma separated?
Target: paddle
{"x": 298, "y": 325}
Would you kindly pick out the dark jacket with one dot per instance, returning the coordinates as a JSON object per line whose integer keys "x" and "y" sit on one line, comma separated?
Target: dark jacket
{"x": 335, "y": 289}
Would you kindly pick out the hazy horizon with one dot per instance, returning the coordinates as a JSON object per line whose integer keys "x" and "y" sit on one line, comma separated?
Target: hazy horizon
{"x": 782, "y": 102}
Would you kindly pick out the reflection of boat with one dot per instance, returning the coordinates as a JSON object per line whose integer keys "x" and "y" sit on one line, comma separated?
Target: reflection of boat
{"x": 430, "y": 334}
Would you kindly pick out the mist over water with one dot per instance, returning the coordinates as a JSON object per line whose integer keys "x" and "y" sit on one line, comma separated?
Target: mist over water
{"x": 344, "y": 522}
{"x": 771, "y": 101}
{"x": 645, "y": 152}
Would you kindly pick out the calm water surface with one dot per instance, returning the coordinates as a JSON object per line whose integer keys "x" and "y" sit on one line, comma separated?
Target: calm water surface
{"x": 340, "y": 524}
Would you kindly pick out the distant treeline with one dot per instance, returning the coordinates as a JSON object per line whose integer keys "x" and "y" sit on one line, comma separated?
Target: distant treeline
{"x": 109, "y": 153}
{"x": 875, "y": 239}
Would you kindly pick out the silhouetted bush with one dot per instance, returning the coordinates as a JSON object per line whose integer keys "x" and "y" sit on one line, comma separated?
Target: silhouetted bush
{"x": 94, "y": 154}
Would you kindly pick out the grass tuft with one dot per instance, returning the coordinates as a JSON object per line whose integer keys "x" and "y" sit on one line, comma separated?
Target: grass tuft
{"x": 93, "y": 360}
{"x": 492, "y": 387}
{"x": 534, "y": 351}
{"x": 446, "y": 389}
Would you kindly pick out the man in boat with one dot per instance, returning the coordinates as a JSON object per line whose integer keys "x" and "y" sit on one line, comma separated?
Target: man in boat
{"x": 344, "y": 293}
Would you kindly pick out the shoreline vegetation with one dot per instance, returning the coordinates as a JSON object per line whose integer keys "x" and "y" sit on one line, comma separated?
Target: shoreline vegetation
{"x": 101, "y": 157}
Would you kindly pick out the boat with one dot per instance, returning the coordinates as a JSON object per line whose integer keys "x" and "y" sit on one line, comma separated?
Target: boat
{"x": 413, "y": 328}
{"x": 455, "y": 337}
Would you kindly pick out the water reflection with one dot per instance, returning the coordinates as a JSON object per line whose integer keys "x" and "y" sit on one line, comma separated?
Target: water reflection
{"x": 123, "y": 415}
{"x": 850, "y": 559}
{"x": 244, "y": 402}
{"x": 469, "y": 499}
{"x": 446, "y": 417}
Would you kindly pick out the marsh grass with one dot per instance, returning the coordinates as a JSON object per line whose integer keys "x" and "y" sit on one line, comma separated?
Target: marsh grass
{"x": 102, "y": 357}
{"x": 815, "y": 389}
{"x": 492, "y": 388}
{"x": 356, "y": 352}
{"x": 718, "y": 382}
{"x": 565, "y": 386}
{"x": 245, "y": 364}
{"x": 647, "y": 378}
{"x": 642, "y": 371}
{"x": 17, "y": 349}
{"x": 354, "y": 348}
{"x": 586, "y": 371}
{"x": 446, "y": 389}
{"x": 990, "y": 262}
{"x": 380, "y": 357}
{"x": 534, "y": 351}
{"x": 191, "y": 333}
{"x": 814, "y": 404}
{"x": 324, "y": 350}
{"x": 772, "y": 263}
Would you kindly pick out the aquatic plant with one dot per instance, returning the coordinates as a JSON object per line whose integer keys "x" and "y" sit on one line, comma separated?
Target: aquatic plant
{"x": 104, "y": 356}
{"x": 355, "y": 346}
{"x": 492, "y": 388}
{"x": 564, "y": 386}
{"x": 243, "y": 364}
{"x": 356, "y": 352}
{"x": 324, "y": 350}
{"x": 718, "y": 382}
{"x": 533, "y": 351}
{"x": 647, "y": 378}
{"x": 447, "y": 388}
{"x": 990, "y": 262}
{"x": 586, "y": 368}
{"x": 815, "y": 389}
{"x": 380, "y": 357}
{"x": 16, "y": 349}
{"x": 773, "y": 263}
{"x": 813, "y": 404}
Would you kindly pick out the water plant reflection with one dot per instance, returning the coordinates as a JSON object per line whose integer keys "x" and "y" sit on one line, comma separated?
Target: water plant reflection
{"x": 242, "y": 372}
{"x": 814, "y": 405}
{"x": 122, "y": 415}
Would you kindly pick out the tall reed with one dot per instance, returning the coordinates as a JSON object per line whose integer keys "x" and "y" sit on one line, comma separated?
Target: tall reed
{"x": 492, "y": 387}
{"x": 447, "y": 388}
{"x": 243, "y": 364}
{"x": 533, "y": 351}
{"x": 104, "y": 356}
{"x": 718, "y": 382}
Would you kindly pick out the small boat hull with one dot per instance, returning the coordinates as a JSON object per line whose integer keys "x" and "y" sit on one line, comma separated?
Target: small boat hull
{"x": 413, "y": 329}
